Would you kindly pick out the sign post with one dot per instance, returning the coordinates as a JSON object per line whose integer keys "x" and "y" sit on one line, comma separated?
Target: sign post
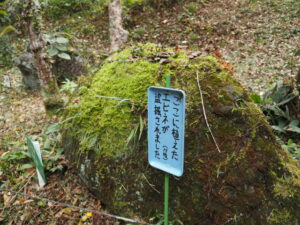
{"x": 166, "y": 115}
{"x": 167, "y": 178}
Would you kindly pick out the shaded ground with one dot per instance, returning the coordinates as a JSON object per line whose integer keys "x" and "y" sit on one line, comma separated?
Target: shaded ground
{"x": 260, "y": 38}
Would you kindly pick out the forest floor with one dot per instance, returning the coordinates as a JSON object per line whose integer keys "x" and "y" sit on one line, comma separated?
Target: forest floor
{"x": 261, "y": 39}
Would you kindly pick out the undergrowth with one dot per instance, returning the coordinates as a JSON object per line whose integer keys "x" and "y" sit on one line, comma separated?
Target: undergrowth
{"x": 281, "y": 106}
{"x": 16, "y": 164}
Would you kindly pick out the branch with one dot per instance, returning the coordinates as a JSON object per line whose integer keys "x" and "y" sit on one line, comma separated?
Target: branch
{"x": 204, "y": 113}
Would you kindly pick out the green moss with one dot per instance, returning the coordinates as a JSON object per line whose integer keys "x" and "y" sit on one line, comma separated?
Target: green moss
{"x": 115, "y": 93}
{"x": 110, "y": 100}
{"x": 287, "y": 191}
{"x": 53, "y": 103}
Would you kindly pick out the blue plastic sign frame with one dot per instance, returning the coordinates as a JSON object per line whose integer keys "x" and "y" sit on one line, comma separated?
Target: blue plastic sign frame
{"x": 166, "y": 117}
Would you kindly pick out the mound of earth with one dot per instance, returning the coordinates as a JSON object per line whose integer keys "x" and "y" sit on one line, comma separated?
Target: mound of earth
{"x": 249, "y": 181}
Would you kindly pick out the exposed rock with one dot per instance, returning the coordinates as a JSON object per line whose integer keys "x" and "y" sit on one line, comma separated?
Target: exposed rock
{"x": 26, "y": 64}
{"x": 62, "y": 69}
{"x": 6, "y": 81}
{"x": 251, "y": 181}
{"x": 68, "y": 69}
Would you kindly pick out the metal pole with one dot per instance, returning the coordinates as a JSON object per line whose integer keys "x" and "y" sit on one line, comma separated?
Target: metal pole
{"x": 166, "y": 194}
{"x": 168, "y": 81}
{"x": 166, "y": 208}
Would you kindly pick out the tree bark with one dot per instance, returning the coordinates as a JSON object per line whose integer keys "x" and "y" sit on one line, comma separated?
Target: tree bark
{"x": 118, "y": 35}
{"x": 298, "y": 80}
{"x": 33, "y": 23}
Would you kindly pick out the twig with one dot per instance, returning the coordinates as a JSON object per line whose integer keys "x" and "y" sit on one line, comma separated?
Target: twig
{"x": 151, "y": 185}
{"x": 204, "y": 112}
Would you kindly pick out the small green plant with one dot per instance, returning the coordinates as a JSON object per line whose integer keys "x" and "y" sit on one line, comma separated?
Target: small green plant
{"x": 68, "y": 86}
{"x": 292, "y": 148}
{"x": 14, "y": 164}
{"x": 6, "y": 51}
{"x": 88, "y": 29}
{"x": 4, "y": 18}
{"x": 57, "y": 9}
{"x": 132, "y": 3}
{"x": 52, "y": 154}
{"x": 278, "y": 104}
{"x": 194, "y": 37}
{"x": 138, "y": 33}
{"x": 58, "y": 46}
{"x": 192, "y": 9}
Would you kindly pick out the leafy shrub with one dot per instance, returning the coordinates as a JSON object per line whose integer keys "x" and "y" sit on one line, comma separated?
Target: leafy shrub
{"x": 57, "y": 8}
{"x": 11, "y": 164}
{"x": 58, "y": 46}
{"x": 6, "y": 51}
{"x": 192, "y": 9}
{"x": 15, "y": 163}
{"x": 292, "y": 148}
{"x": 4, "y": 18}
{"x": 280, "y": 104}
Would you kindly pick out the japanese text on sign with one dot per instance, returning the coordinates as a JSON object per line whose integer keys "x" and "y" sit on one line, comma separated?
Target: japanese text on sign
{"x": 166, "y": 112}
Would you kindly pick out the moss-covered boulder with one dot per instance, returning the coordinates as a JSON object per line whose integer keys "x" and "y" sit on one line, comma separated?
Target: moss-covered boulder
{"x": 249, "y": 181}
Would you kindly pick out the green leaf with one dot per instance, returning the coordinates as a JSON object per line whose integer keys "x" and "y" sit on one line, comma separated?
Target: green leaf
{"x": 294, "y": 123}
{"x": 64, "y": 56}
{"x": 61, "y": 40}
{"x": 52, "y": 52}
{"x": 286, "y": 100}
{"x": 26, "y": 166}
{"x": 130, "y": 137}
{"x": 41, "y": 203}
{"x": 61, "y": 47}
{"x": 7, "y": 29}
{"x": 256, "y": 98}
{"x": 2, "y": 12}
{"x": 55, "y": 127}
{"x": 277, "y": 128}
{"x": 47, "y": 144}
{"x": 295, "y": 129}
{"x": 282, "y": 123}
{"x": 59, "y": 167}
{"x": 141, "y": 127}
{"x": 290, "y": 142}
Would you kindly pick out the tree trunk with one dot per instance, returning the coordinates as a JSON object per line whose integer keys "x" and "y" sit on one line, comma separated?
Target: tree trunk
{"x": 118, "y": 35}
{"x": 298, "y": 80}
{"x": 49, "y": 88}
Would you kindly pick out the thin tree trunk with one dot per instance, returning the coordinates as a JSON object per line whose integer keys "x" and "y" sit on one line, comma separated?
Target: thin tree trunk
{"x": 49, "y": 88}
{"x": 298, "y": 80}
{"x": 118, "y": 35}
{"x": 37, "y": 47}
